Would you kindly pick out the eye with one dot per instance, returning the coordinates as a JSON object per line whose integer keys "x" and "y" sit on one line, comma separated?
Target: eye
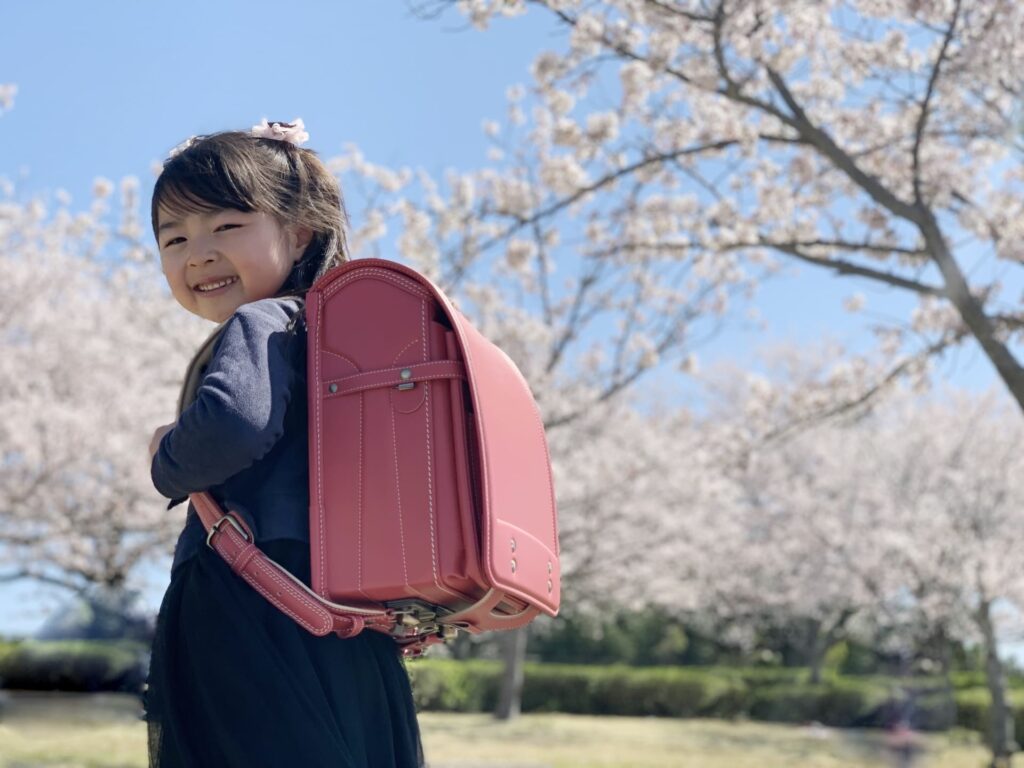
{"x": 172, "y": 241}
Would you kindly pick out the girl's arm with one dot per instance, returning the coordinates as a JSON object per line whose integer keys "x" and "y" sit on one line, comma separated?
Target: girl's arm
{"x": 239, "y": 410}
{"x": 158, "y": 434}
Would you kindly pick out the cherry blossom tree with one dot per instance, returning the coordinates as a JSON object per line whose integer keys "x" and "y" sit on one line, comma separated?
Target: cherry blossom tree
{"x": 870, "y": 138}
{"x": 874, "y": 139}
{"x": 956, "y": 478}
{"x": 768, "y": 515}
{"x": 903, "y": 515}
{"x": 92, "y": 359}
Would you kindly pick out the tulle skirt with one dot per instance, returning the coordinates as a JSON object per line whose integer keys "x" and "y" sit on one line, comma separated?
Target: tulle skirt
{"x": 235, "y": 683}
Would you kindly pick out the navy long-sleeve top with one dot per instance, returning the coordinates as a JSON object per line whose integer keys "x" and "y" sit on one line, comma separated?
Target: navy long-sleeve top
{"x": 244, "y": 438}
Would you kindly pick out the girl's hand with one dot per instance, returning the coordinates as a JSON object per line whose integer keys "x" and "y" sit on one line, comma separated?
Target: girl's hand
{"x": 154, "y": 443}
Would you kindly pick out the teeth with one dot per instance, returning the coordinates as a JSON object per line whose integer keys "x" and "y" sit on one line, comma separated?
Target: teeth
{"x": 212, "y": 286}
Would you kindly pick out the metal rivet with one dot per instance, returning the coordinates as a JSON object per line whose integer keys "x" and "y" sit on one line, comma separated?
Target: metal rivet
{"x": 549, "y": 566}
{"x": 406, "y": 373}
{"x": 513, "y": 565}
{"x": 513, "y": 545}
{"x": 333, "y": 387}
{"x": 550, "y": 585}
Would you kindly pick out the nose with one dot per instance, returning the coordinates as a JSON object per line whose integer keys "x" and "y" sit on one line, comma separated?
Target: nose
{"x": 202, "y": 251}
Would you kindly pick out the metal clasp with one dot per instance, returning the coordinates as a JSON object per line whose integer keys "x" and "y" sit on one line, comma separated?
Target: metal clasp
{"x": 406, "y": 374}
{"x": 215, "y": 528}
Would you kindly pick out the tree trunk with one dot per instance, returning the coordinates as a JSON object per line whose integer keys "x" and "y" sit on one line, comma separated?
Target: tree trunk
{"x": 461, "y": 647}
{"x": 514, "y": 656}
{"x": 948, "y": 691}
{"x": 818, "y": 648}
{"x": 1001, "y": 726}
{"x": 822, "y": 639}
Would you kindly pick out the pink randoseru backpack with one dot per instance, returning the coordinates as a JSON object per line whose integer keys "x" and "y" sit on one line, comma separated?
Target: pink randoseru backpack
{"x": 432, "y": 507}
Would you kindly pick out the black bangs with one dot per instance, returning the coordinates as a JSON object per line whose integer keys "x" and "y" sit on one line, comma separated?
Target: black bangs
{"x": 198, "y": 181}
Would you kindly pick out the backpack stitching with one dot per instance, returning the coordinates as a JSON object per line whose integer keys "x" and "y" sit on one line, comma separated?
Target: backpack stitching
{"x": 425, "y": 377}
{"x": 319, "y": 455}
{"x": 402, "y": 282}
{"x": 430, "y": 454}
{"x": 359, "y": 491}
{"x": 398, "y": 490}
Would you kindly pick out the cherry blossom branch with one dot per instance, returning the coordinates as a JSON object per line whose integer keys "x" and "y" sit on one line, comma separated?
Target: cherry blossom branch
{"x": 849, "y": 268}
{"x": 820, "y": 139}
{"x": 624, "y": 379}
{"x": 604, "y": 181}
{"x": 971, "y": 310}
{"x": 922, "y": 119}
{"x": 871, "y": 393}
{"x": 76, "y": 587}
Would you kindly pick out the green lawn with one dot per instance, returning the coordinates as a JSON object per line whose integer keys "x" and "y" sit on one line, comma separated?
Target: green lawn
{"x": 103, "y": 731}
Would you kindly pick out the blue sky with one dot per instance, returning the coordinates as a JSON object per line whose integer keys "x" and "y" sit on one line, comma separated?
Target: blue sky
{"x": 107, "y": 88}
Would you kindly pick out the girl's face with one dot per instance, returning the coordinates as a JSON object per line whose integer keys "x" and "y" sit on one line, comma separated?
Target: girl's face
{"x": 250, "y": 249}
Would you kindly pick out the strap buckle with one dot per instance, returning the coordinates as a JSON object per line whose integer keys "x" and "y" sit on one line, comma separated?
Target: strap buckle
{"x": 216, "y": 529}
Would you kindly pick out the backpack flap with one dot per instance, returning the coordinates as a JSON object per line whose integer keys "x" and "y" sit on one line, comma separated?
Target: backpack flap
{"x": 518, "y": 524}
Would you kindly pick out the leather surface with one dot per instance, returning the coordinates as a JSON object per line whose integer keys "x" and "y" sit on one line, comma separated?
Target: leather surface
{"x": 441, "y": 491}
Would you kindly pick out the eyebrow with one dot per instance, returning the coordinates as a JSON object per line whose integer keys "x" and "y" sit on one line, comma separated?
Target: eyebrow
{"x": 173, "y": 223}
{"x": 168, "y": 225}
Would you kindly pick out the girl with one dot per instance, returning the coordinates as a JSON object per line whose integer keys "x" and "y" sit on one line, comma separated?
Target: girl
{"x": 245, "y": 223}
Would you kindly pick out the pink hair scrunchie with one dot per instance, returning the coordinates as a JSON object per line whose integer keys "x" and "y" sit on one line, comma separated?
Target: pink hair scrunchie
{"x": 293, "y": 132}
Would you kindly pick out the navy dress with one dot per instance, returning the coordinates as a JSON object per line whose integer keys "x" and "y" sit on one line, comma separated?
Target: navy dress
{"x": 233, "y": 681}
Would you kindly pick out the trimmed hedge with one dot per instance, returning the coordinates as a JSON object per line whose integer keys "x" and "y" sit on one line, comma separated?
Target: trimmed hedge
{"x": 468, "y": 686}
{"x": 840, "y": 703}
{"x": 444, "y": 685}
{"x": 972, "y": 710}
{"x": 74, "y": 665}
{"x": 977, "y": 679}
{"x": 473, "y": 686}
{"x": 6, "y": 648}
{"x": 761, "y": 694}
{"x": 447, "y": 685}
{"x": 621, "y": 690}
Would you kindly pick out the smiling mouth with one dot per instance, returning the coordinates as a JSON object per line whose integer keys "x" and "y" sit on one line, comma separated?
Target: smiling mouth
{"x": 220, "y": 285}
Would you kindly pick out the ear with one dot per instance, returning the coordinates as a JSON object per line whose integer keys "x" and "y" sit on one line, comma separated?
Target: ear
{"x": 298, "y": 239}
